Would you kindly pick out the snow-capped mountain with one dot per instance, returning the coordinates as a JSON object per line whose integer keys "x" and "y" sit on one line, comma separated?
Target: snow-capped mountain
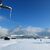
{"x": 33, "y": 32}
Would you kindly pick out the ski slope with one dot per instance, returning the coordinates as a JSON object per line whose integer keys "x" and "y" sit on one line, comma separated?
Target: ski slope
{"x": 25, "y": 44}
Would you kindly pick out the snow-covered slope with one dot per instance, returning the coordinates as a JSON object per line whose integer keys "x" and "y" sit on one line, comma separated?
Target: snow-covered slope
{"x": 4, "y": 43}
{"x": 25, "y": 44}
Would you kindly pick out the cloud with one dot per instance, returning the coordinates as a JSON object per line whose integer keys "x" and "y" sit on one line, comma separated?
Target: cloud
{"x": 1, "y": 18}
{"x": 3, "y": 31}
{"x": 33, "y": 29}
{"x": 48, "y": 30}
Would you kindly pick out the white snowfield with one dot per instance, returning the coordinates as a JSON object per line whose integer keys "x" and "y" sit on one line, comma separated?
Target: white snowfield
{"x": 25, "y": 44}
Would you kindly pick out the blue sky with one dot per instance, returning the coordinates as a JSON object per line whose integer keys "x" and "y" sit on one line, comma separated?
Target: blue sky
{"x": 34, "y": 13}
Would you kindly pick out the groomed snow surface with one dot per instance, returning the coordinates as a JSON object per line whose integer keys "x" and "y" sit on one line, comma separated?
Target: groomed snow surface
{"x": 25, "y": 44}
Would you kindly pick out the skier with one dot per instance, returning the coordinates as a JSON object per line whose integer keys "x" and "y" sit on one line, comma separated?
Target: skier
{"x": 4, "y": 6}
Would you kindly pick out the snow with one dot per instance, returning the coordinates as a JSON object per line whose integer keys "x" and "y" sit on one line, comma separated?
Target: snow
{"x": 25, "y": 44}
{"x": 4, "y": 43}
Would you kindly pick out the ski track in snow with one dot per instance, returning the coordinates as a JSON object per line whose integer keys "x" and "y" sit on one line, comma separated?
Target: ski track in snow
{"x": 25, "y": 44}
{"x": 4, "y": 43}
